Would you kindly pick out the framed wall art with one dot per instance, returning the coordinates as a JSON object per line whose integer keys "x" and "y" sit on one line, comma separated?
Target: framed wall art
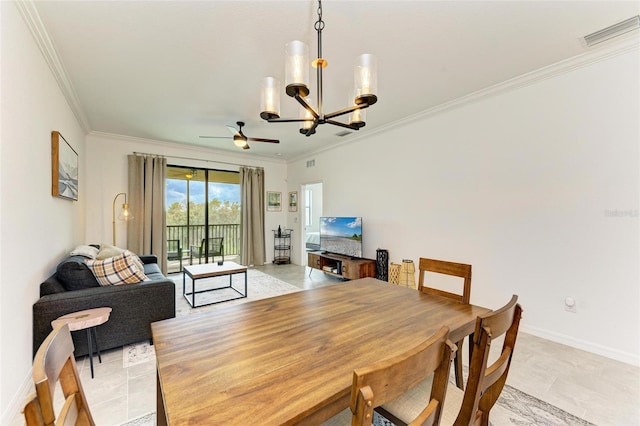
{"x": 293, "y": 201}
{"x": 64, "y": 168}
{"x": 274, "y": 201}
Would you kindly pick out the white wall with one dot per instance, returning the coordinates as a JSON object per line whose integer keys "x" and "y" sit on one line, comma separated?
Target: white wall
{"x": 36, "y": 229}
{"x": 107, "y": 160}
{"x": 520, "y": 184}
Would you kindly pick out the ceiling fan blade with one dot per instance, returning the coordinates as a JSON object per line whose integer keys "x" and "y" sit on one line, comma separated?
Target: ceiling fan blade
{"x": 264, "y": 140}
{"x": 233, "y": 130}
{"x": 214, "y": 137}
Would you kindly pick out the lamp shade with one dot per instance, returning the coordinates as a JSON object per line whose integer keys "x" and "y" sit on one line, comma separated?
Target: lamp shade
{"x": 366, "y": 79}
{"x": 125, "y": 213}
{"x": 296, "y": 68}
{"x": 270, "y": 99}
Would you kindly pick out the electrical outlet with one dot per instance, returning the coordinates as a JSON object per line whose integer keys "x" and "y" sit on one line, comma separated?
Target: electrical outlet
{"x": 570, "y": 305}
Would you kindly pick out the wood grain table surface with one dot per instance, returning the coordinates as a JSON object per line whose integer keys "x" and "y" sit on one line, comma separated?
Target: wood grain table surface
{"x": 290, "y": 359}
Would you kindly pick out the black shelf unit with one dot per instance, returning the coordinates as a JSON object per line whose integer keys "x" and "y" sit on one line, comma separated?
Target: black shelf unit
{"x": 282, "y": 246}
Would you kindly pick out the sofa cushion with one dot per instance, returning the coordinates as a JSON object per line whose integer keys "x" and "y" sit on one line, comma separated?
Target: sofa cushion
{"x": 73, "y": 274}
{"x": 86, "y": 251}
{"x": 107, "y": 251}
{"x": 152, "y": 270}
{"x": 116, "y": 270}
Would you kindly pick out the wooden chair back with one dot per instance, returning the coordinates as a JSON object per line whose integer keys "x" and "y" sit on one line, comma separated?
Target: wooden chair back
{"x": 54, "y": 362}
{"x": 386, "y": 380}
{"x": 486, "y": 383}
{"x": 454, "y": 269}
{"x": 447, "y": 268}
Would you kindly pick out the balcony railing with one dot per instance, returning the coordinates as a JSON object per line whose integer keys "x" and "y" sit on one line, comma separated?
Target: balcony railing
{"x": 192, "y": 235}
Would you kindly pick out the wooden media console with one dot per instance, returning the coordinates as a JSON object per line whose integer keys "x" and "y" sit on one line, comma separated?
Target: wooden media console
{"x": 342, "y": 266}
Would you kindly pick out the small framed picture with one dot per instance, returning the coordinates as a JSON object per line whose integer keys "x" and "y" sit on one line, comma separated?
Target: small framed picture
{"x": 274, "y": 201}
{"x": 293, "y": 201}
{"x": 64, "y": 168}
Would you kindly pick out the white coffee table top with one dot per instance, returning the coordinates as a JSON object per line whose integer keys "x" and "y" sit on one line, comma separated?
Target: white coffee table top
{"x": 213, "y": 269}
{"x": 83, "y": 319}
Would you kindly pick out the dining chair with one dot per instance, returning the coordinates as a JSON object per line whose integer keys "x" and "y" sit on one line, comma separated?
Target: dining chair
{"x": 385, "y": 380}
{"x": 460, "y": 270}
{"x": 215, "y": 248}
{"x": 174, "y": 251}
{"x": 473, "y": 405}
{"x": 55, "y": 363}
{"x": 485, "y": 383}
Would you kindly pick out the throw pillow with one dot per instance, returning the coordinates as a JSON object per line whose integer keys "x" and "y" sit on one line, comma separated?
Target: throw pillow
{"x": 116, "y": 270}
{"x": 86, "y": 251}
{"x": 73, "y": 274}
{"x": 107, "y": 251}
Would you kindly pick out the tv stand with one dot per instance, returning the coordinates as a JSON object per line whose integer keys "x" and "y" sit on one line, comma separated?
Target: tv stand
{"x": 338, "y": 265}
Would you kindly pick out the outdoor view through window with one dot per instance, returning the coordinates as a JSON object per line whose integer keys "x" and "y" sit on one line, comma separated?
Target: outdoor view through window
{"x": 201, "y": 204}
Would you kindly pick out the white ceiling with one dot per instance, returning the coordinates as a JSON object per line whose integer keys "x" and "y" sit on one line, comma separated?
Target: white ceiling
{"x": 175, "y": 70}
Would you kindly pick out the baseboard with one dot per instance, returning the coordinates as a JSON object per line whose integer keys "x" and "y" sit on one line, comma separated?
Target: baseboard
{"x": 626, "y": 357}
{"x": 13, "y": 414}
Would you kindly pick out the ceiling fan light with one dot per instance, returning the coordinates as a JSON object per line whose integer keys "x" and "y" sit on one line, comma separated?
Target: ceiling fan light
{"x": 366, "y": 79}
{"x": 270, "y": 99}
{"x": 239, "y": 141}
{"x": 296, "y": 68}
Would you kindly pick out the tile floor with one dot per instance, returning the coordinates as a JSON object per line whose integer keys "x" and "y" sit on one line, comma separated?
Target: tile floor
{"x": 597, "y": 389}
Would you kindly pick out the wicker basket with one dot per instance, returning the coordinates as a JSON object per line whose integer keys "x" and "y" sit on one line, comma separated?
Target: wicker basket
{"x": 407, "y": 274}
{"x": 394, "y": 273}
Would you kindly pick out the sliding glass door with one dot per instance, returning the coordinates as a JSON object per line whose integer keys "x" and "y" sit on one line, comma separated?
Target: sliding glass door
{"x": 201, "y": 204}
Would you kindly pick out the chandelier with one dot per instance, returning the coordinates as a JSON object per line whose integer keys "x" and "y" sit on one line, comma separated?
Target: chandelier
{"x": 297, "y": 77}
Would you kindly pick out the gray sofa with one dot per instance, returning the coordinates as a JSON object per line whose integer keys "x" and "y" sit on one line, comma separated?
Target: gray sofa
{"x": 135, "y": 306}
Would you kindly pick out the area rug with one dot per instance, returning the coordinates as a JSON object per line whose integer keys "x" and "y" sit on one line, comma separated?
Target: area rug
{"x": 259, "y": 286}
{"x": 148, "y": 419}
{"x": 137, "y": 353}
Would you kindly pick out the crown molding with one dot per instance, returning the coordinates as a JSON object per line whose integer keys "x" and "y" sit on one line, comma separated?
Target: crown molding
{"x": 29, "y": 12}
{"x": 595, "y": 54}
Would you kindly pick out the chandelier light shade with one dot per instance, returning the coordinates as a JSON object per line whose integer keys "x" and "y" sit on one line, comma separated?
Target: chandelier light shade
{"x": 270, "y": 99}
{"x": 297, "y": 68}
{"x": 305, "y": 114}
{"x": 358, "y": 118}
{"x": 366, "y": 79}
{"x": 297, "y": 86}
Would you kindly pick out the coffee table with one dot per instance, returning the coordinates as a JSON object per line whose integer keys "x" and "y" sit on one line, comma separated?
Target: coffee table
{"x": 211, "y": 270}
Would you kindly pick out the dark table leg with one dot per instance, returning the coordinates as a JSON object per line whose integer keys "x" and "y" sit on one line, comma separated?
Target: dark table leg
{"x": 90, "y": 350}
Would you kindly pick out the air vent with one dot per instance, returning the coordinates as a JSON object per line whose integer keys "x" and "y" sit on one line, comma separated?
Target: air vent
{"x": 613, "y": 31}
{"x": 343, "y": 133}
{"x": 311, "y": 163}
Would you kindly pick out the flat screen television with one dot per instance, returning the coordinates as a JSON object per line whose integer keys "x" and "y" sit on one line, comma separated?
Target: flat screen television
{"x": 341, "y": 235}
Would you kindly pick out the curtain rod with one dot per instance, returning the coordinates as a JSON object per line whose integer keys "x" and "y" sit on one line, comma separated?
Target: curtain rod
{"x": 196, "y": 159}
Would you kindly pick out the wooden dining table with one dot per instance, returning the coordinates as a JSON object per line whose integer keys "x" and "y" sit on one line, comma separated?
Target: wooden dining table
{"x": 290, "y": 359}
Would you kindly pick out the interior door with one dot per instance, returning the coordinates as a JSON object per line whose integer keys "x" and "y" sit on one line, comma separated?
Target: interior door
{"x": 311, "y": 212}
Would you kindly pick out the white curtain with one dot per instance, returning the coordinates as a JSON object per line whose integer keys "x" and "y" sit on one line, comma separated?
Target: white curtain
{"x": 146, "y": 233}
{"x": 252, "y": 245}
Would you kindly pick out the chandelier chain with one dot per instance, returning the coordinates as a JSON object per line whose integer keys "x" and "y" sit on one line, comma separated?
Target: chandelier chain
{"x": 319, "y": 25}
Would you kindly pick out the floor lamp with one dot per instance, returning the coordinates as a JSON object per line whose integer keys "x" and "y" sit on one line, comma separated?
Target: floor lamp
{"x": 125, "y": 213}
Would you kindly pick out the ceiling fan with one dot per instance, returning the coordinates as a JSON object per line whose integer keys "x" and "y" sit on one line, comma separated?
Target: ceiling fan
{"x": 239, "y": 138}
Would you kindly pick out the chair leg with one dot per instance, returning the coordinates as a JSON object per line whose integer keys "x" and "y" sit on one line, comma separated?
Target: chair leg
{"x": 457, "y": 365}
